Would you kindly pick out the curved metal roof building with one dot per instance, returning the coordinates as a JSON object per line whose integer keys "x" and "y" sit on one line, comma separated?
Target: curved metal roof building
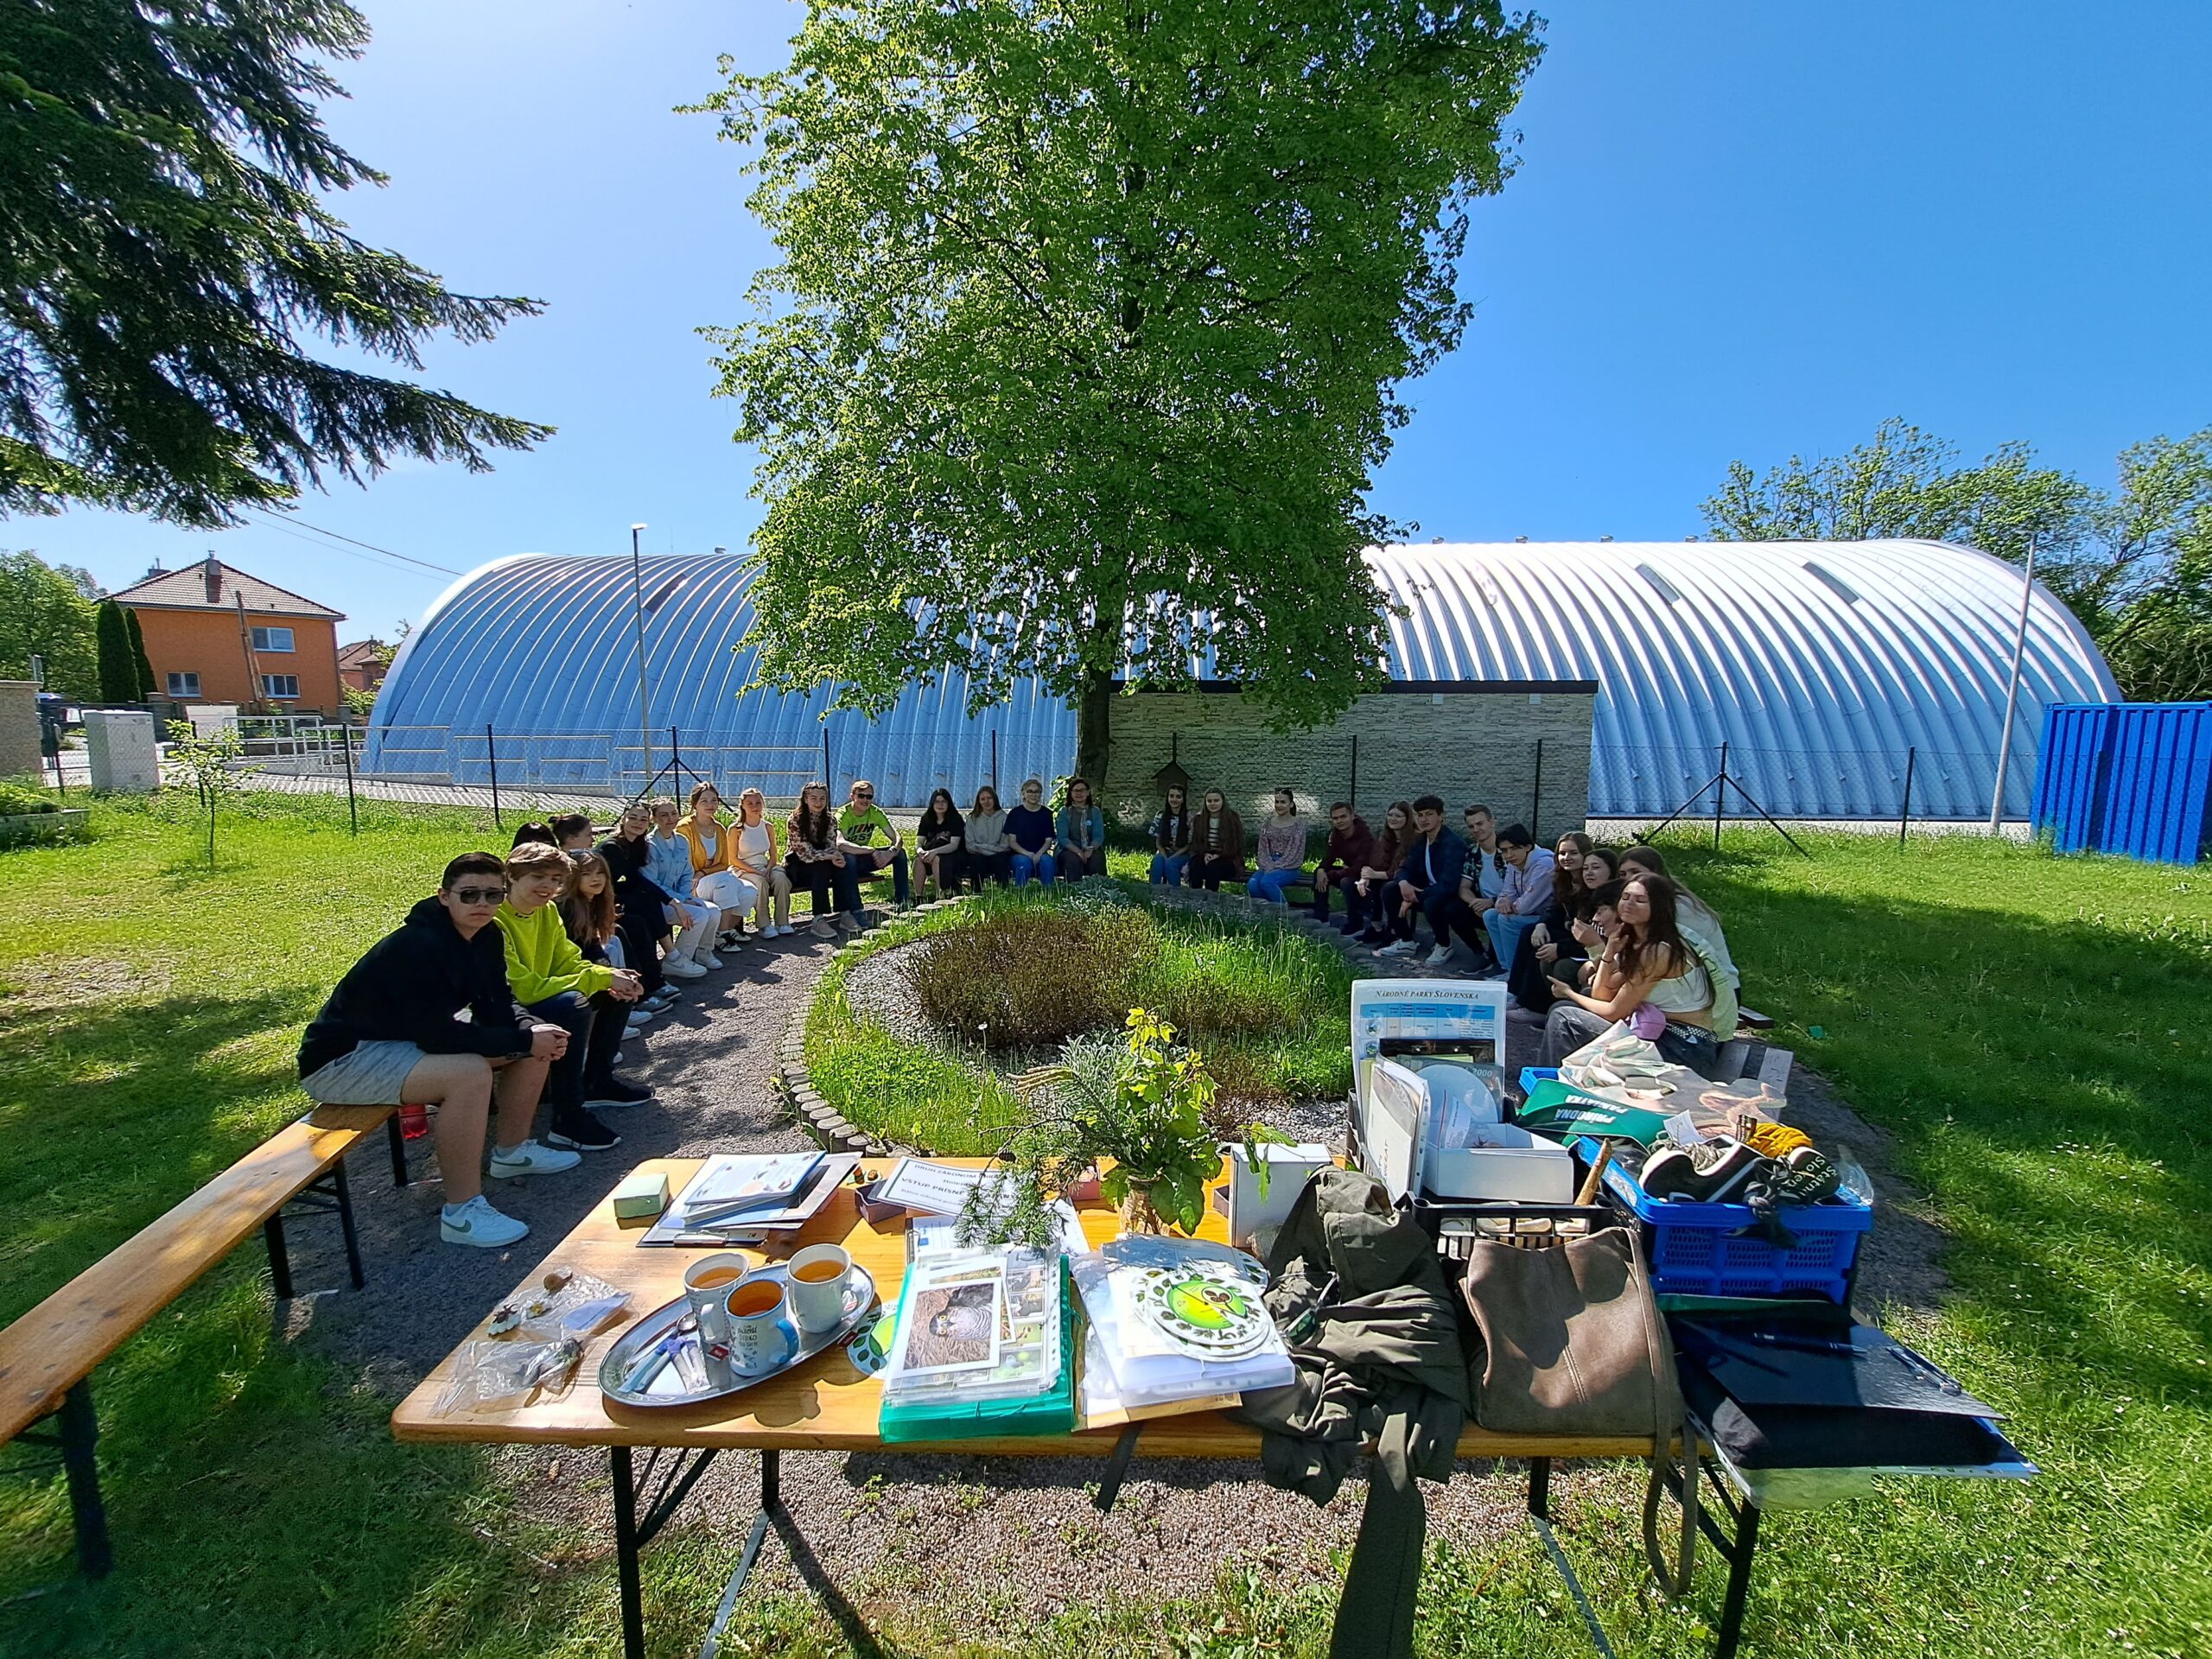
{"x": 1821, "y": 665}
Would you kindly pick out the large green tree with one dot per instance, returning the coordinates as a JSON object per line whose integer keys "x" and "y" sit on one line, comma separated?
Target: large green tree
{"x": 168, "y": 250}
{"x": 1087, "y": 330}
{"x": 44, "y": 612}
{"x": 2134, "y": 562}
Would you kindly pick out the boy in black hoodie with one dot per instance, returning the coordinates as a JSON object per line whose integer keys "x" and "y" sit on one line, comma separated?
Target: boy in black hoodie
{"x": 426, "y": 1019}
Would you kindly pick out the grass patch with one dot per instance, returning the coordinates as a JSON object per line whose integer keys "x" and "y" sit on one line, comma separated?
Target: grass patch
{"x": 2029, "y": 1029}
{"x": 1263, "y": 1003}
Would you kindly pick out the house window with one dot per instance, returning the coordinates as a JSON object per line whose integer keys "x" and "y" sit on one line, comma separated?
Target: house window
{"x": 273, "y": 639}
{"x": 183, "y": 685}
{"x": 280, "y": 685}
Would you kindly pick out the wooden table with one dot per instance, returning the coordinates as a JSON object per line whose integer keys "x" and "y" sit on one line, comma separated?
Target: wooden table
{"x": 824, "y": 1405}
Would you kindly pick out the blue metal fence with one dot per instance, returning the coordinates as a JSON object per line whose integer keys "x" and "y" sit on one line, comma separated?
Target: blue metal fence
{"x": 2126, "y": 777}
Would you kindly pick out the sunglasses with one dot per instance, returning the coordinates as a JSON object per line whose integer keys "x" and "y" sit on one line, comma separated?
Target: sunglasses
{"x": 864, "y": 794}
{"x": 479, "y": 895}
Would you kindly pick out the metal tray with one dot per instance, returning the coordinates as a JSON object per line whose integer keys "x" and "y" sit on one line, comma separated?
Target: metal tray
{"x": 665, "y": 1387}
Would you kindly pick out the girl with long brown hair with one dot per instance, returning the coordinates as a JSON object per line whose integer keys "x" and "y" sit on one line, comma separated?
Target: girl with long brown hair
{"x": 819, "y": 864}
{"x": 1646, "y": 960}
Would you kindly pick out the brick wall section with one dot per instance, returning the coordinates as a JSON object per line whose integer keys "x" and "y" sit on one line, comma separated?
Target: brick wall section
{"x": 1467, "y": 746}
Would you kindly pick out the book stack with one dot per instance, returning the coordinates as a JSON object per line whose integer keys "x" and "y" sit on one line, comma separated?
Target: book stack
{"x": 741, "y": 1197}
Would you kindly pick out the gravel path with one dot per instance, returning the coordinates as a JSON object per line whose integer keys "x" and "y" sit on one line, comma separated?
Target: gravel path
{"x": 883, "y": 1526}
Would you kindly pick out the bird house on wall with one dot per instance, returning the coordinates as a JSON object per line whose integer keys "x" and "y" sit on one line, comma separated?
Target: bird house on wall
{"x": 1172, "y": 776}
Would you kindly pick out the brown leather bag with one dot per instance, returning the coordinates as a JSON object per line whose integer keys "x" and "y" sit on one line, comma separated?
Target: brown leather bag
{"x": 1573, "y": 1344}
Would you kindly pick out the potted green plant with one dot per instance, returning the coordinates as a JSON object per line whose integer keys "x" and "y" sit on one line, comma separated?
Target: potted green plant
{"x": 1140, "y": 1110}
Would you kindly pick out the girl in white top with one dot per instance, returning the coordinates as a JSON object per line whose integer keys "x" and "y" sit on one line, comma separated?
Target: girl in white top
{"x": 753, "y": 853}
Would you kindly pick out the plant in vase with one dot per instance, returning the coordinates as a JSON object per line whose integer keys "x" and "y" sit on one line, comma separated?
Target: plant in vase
{"x": 1140, "y": 1107}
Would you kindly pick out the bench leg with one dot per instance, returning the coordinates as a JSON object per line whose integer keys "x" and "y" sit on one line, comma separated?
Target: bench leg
{"x": 280, "y": 1262}
{"x": 345, "y": 1196}
{"x": 79, "y": 1436}
{"x": 1540, "y": 1488}
{"x": 399, "y": 1140}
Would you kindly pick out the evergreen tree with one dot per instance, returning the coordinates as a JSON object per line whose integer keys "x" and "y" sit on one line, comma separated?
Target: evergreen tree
{"x": 138, "y": 654}
{"x": 118, "y": 671}
{"x": 168, "y": 245}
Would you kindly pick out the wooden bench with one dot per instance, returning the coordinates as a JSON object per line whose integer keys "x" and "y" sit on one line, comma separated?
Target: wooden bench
{"x": 48, "y": 1354}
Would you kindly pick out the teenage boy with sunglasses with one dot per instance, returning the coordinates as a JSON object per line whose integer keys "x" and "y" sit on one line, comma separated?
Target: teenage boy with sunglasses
{"x": 858, "y": 825}
{"x": 426, "y": 1019}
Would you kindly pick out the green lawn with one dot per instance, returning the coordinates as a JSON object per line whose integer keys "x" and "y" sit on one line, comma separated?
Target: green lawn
{"x": 2029, "y": 1029}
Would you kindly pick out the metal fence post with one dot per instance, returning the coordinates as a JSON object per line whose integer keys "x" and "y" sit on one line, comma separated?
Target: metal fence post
{"x": 1719, "y": 795}
{"x": 492, "y": 758}
{"x": 346, "y": 748}
{"x": 1905, "y": 811}
{"x": 995, "y": 761}
{"x": 1353, "y": 795}
{"x": 1536, "y": 795}
{"x": 826, "y": 777}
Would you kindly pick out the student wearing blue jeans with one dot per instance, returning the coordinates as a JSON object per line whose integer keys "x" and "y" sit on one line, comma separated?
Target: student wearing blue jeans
{"x": 1428, "y": 881}
{"x": 1524, "y": 894}
{"x": 1280, "y": 855}
{"x": 1171, "y": 840}
{"x": 1029, "y": 832}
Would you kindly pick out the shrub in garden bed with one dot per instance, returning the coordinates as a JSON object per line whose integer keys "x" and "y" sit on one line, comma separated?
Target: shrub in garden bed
{"x": 18, "y": 798}
{"x": 1006, "y": 977}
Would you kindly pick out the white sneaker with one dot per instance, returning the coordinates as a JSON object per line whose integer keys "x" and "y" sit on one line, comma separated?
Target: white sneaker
{"x": 682, "y": 968}
{"x": 782, "y": 931}
{"x": 821, "y": 930}
{"x": 477, "y": 1224}
{"x": 708, "y": 959}
{"x": 531, "y": 1159}
{"x": 1438, "y": 956}
{"x": 639, "y": 1019}
{"x": 1396, "y": 948}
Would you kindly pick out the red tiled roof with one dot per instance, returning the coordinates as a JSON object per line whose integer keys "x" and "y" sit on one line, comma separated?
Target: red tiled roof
{"x": 187, "y": 590}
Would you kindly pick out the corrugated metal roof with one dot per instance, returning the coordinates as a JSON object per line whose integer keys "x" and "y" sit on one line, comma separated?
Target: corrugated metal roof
{"x": 1820, "y": 664}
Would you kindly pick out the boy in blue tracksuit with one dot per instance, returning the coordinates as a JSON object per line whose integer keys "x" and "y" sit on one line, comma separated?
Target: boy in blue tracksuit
{"x": 1428, "y": 879}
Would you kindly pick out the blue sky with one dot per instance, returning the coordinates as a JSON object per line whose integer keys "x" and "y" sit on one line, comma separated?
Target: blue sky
{"x": 1737, "y": 230}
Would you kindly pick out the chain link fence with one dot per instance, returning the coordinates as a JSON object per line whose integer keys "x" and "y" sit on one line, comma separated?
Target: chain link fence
{"x": 1900, "y": 786}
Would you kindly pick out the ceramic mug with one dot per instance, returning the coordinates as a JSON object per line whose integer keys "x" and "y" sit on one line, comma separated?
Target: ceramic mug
{"x": 819, "y": 1277}
{"x": 760, "y": 1336}
{"x": 706, "y": 1285}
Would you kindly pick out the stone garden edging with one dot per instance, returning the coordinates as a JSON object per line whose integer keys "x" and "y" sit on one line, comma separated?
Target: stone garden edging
{"x": 830, "y": 1127}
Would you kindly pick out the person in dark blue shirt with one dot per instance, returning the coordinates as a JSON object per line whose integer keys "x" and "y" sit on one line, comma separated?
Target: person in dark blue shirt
{"x": 1029, "y": 834}
{"x": 1428, "y": 881}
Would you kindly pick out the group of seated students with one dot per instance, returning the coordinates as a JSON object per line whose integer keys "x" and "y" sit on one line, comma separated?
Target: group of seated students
{"x": 1582, "y": 937}
{"x": 1031, "y": 842}
{"x": 516, "y": 984}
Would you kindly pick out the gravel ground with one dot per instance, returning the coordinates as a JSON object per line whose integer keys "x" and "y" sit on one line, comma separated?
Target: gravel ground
{"x": 882, "y": 1526}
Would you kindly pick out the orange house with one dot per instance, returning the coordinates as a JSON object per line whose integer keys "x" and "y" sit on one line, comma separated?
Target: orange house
{"x": 215, "y": 634}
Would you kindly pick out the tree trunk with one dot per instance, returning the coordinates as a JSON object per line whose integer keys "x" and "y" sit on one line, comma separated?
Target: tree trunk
{"x": 1094, "y": 716}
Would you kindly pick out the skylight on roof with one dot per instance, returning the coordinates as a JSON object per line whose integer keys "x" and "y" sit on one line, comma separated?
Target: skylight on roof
{"x": 1665, "y": 588}
{"x": 1832, "y": 582}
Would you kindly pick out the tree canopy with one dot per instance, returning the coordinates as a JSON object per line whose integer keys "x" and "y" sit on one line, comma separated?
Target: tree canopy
{"x": 2134, "y": 563}
{"x": 1088, "y": 328}
{"x": 44, "y": 612}
{"x": 168, "y": 249}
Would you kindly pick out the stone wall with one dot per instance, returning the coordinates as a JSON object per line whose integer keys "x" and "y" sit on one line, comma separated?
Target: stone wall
{"x": 1462, "y": 742}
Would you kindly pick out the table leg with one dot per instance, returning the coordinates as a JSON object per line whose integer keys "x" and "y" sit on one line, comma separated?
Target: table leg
{"x": 1739, "y": 1582}
{"x": 772, "y": 1503}
{"x": 625, "y": 1553}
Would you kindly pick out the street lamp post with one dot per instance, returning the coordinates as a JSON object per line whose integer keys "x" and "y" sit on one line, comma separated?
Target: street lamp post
{"x": 2012, "y": 693}
{"x": 638, "y": 610}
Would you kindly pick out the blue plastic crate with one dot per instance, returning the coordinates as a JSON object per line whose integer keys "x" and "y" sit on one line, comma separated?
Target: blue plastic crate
{"x": 1696, "y": 1250}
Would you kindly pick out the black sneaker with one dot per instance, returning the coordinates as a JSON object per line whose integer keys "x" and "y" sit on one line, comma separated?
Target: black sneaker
{"x": 582, "y": 1133}
{"x": 1705, "y": 1173}
{"x": 615, "y": 1092}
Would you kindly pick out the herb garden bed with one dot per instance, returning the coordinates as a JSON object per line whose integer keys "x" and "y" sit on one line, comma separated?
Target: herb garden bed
{"x": 916, "y": 1032}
